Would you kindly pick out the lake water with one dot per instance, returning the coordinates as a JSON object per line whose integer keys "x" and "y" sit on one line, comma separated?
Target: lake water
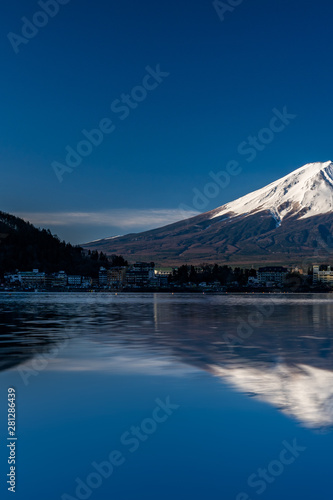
{"x": 160, "y": 396}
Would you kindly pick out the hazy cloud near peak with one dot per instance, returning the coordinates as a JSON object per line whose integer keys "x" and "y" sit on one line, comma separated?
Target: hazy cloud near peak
{"x": 122, "y": 218}
{"x": 79, "y": 227}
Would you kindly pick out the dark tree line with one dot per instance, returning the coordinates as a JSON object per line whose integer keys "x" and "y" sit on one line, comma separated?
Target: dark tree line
{"x": 210, "y": 273}
{"x": 24, "y": 247}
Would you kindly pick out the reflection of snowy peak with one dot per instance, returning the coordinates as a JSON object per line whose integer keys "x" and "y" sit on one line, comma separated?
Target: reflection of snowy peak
{"x": 302, "y": 392}
{"x": 307, "y": 191}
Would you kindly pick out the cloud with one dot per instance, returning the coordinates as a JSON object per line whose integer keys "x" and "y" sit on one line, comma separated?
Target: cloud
{"x": 124, "y": 219}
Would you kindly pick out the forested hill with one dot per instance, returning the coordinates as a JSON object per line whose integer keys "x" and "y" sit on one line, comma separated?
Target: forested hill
{"x": 24, "y": 247}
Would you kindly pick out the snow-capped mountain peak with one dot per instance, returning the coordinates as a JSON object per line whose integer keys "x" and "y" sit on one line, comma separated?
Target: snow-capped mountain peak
{"x": 283, "y": 222}
{"x": 305, "y": 192}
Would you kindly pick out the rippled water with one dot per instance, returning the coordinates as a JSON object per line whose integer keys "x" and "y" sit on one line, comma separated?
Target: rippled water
{"x": 246, "y": 376}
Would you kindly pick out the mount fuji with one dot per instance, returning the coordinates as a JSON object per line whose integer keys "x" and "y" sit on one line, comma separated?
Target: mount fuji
{"x": 288, "y": 221}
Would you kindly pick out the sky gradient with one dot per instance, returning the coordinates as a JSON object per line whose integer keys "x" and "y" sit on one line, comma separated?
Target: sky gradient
{"x": 223, "y": 83}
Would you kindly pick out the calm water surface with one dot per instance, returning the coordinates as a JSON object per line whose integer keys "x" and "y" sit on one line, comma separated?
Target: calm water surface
{"x": 189, "y": 396}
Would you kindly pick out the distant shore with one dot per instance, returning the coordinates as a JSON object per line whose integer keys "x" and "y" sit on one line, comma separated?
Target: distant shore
{"x": 169, "y": 291}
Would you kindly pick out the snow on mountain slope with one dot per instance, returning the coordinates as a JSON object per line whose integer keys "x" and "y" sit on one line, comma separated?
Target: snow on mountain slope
{"x": 283, "y": 223}
{"x": 305, "y": 192}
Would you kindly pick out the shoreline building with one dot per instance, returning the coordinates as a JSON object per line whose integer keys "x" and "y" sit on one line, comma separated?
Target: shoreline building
{"x": 140, "y": 274}
{"x": 116, "y": 276}
{"x": 74, "y": 280}
{"x": 103, "y": 276}
{"x": 322, "y": 276}
{"x": 33, "y": 279}
{"x": 272, "y": 275}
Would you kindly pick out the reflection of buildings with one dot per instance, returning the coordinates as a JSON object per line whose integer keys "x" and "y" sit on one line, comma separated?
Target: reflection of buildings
{"x": 322, "y": 276}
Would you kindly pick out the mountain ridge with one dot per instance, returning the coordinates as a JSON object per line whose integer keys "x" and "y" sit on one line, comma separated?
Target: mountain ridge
{"x": 288, "y": 221}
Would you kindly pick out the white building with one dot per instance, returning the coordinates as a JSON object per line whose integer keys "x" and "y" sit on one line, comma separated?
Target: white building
{"x": 322, "y": 276}
{"x": 74, "y": 280}
{"x": 32, "y": 278}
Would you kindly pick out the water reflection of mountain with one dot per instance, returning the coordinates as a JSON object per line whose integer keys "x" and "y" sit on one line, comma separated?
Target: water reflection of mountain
{"x": 28, "y": 329}
{"x": 17, "y": 345}
{"x": 287, "y": 361}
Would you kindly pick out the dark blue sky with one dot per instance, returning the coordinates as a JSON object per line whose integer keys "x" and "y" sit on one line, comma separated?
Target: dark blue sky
{"x": 225, "y": 78}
